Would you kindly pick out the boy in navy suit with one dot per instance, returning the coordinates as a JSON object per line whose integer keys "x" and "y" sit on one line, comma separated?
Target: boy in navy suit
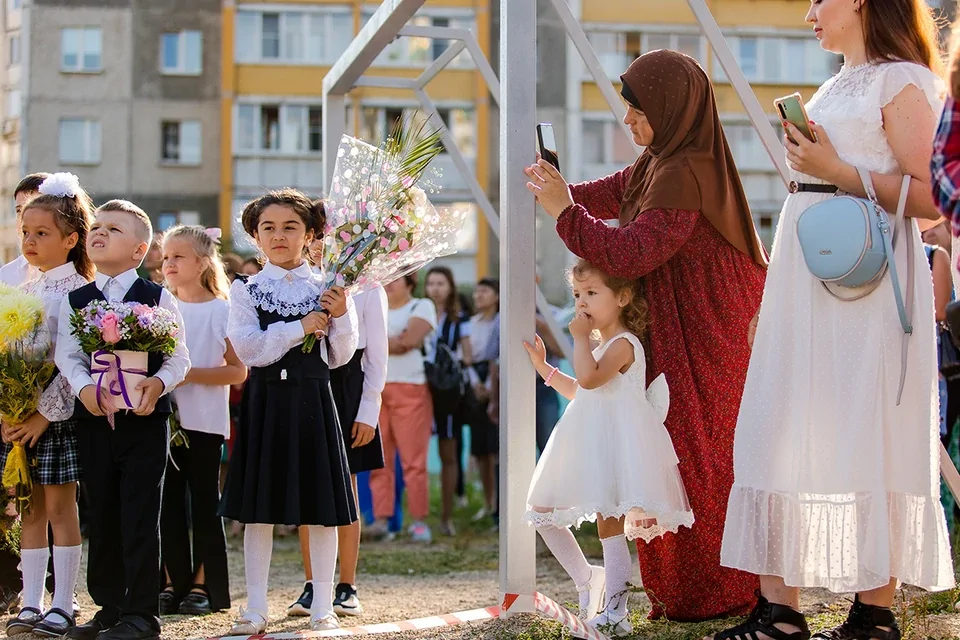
{"x": 123, "y": 466}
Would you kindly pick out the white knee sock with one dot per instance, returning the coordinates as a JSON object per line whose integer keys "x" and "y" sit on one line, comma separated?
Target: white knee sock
{"x": 568, "y": 553}
{"x": 33, "y": 567}
{"x": 323, "y": 564}
{"x": 618, "y": 567}
{"x": 66, "y": 567}
{"x": 257, "y": 549}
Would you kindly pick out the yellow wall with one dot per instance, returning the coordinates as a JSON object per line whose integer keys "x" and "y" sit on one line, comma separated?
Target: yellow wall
{"x": 727, "y": 99}
{"x": 787, "y": 14}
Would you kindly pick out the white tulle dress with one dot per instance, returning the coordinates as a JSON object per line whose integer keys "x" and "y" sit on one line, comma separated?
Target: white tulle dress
{"x": 610, "y": 454}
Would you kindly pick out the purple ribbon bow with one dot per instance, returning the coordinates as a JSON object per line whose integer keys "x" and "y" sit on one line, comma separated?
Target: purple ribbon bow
{"x": 108, "y": 364}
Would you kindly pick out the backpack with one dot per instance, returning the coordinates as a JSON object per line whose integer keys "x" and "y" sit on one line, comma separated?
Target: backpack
{"x": 445, "y": 374}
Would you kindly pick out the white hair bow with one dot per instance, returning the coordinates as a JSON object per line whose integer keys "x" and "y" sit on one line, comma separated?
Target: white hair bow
{"x": 213, "y": 233}
{"x": 61, "y": 185}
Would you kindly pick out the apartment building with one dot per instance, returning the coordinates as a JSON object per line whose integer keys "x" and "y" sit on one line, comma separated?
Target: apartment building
{"x": 276, "y": 54}
{"x": 123, "y": 93}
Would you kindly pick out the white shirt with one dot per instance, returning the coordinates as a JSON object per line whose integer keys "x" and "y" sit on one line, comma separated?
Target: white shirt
{"x": 205, "y": 407}
{"x": 407, "y": 368}
{"x": 56, "y": 401}
{"x": 288, "y": 293}
{"x": 372, "y": 320}
{"x": 74, "y": 364}
{"x": 17, "y": 272}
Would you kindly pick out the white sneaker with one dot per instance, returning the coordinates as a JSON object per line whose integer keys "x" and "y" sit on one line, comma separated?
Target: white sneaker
{"x": 346, "y": 602}
{"x": 250, "y": 623}
{"x": 326, "y": 623}
{"x": 420, "y": 532}
{"x": 596, "y": 587}
{"x": 612, "y": 625}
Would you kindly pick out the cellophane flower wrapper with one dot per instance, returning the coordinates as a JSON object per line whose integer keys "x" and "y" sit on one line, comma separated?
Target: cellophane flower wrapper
{"x": 26, "y": 368}
{"x": 380, "y": 227}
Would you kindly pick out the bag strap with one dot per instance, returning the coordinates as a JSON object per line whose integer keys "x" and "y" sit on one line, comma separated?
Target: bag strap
{"x": 889, "y": 238}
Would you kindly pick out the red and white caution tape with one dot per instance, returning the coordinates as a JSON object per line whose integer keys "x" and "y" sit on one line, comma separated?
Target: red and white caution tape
{"x": 547, "y": 608}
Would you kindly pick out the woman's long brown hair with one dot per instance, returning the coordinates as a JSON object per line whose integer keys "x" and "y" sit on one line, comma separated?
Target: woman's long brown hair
{"x": 901, "y": 30}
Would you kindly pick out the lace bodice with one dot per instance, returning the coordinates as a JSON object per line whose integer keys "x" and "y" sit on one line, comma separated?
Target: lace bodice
{"x": 56, "y": 402}
{"x": 849, "y": 107}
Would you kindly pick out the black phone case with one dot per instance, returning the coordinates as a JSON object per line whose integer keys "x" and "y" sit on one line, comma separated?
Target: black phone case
{"x": 545, "y": 153}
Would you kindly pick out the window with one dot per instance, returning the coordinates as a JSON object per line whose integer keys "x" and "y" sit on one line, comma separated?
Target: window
{"x": 79, "y": 141}
{"x": 13, "y": 5}
{"x": 13, "y": 103}
{"x": 407, "y": 51}
{"x": 617, "y": 49}
{"x": 169, "y": 219}
{"x": 376, "y": 123}
{"x": 181, "y": 53}
{"x": 605, "y": 144}
{"x": 284, "y": 128}
{"x": 181, "y": 142}
{"x": 309, "y": 37}
{"x": 81, "y": 50}
{"x": 13, "y": 57}
{"x": 745, "y": 145}
{"x": 780, "y": 60}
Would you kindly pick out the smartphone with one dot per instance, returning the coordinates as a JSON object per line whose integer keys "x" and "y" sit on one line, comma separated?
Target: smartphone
{"x": 548, "y": 144}
{"x": 790, "y": 109}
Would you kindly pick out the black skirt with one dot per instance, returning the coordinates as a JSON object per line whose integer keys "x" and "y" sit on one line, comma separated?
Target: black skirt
{"x": 347, "y": 385}
{"x": 288, "y": 464}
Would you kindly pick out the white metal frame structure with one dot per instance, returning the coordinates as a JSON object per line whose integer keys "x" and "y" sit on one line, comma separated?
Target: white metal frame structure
{"x": 515, "y": 94}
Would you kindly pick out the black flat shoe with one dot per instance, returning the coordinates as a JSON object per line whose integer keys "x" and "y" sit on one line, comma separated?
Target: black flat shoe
{"x": 196, "y": 603}
{"x": 87, "y": 631}
{"x": 131, "y": 630}
{"x": 24, "y": 622}
{"x": 168, "y": 603}
{"x": 52, "y": 629}
{"x": 864, "y": 622}
{"x": 762, "y": 620}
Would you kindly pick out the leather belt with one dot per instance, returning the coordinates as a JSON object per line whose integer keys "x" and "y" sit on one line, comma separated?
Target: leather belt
{"x": 797, "y": 187}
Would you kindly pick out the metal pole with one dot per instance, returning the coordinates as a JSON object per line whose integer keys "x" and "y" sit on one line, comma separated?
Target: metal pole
{"x": 334, "y": 116}
{"x": 518, "y": 109}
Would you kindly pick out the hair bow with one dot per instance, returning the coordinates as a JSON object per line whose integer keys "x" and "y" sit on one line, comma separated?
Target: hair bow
{"x": 61, "y": 185}
{"x": 213, "y": 233}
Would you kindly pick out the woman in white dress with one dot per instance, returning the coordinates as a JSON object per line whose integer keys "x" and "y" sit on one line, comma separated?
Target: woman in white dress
{"x": 836, "y": 485}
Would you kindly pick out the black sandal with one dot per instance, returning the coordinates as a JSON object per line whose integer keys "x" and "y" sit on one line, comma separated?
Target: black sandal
{"x": 24, "y": 622}
{"x": 51, "y": 629}
{"x": 863, "y": 623}
{"x": 761, "y": 621}
{"x": 197, "y": 602}
{"x": 168, "y": 601}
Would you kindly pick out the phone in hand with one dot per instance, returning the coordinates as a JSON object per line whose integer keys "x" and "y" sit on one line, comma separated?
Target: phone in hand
{"x": 790, "y": 109}
{"x": 547, "y": 144}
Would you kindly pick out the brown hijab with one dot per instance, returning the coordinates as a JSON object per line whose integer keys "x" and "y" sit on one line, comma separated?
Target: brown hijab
{"x": 689, "y": 165}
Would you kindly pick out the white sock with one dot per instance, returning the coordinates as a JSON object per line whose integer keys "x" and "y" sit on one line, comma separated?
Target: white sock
{"x": 618, "y": 567}
{"x": 257, "y": 550}
{"x": 33, "y": 566}
{"x": 323, "y": 564}
{"x": 66, "y": 567}
{"x": 568, "y": 553}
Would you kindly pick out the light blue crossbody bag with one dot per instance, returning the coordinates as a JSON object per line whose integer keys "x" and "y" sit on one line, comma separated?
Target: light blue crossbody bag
{"x": 847, "y": 243}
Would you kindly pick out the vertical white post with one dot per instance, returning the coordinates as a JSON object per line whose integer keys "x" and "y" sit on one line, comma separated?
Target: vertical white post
{"x": 518, "y": 120}
{"x": 334, "y": 123}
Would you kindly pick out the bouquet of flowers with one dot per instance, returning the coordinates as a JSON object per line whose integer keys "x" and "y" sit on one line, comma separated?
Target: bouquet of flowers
{"x": 380, "y": 224}
{"x": 25, "y": 371}
{"x": 119, "y": 336}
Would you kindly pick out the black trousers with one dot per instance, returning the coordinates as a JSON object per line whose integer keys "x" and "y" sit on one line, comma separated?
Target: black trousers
{"x": 123, "y": 470}
{"x": 198, "y": 475}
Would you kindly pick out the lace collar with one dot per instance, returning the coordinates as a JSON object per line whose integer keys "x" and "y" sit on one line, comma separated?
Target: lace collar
{"x": 58, "y": 273}
{"x": 294, "y": 292}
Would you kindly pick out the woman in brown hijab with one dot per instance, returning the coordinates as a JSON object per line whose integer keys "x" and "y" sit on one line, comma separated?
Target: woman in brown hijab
{"x": 686, "y": 232}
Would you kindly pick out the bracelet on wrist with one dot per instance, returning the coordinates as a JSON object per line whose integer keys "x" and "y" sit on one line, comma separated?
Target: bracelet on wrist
{"x": 553, "y": 372}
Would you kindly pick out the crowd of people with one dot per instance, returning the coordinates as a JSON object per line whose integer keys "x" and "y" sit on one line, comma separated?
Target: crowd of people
{"x": 750, "y": 428}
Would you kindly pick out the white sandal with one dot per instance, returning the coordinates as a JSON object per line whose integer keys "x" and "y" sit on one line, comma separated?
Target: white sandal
{"x": 597, "y": 587}
{"x": 250, "y": 623}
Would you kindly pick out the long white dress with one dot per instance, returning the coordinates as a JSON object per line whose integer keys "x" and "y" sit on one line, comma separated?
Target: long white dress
{"x": 835, "y": 485}
{"x": 590, "y": 464}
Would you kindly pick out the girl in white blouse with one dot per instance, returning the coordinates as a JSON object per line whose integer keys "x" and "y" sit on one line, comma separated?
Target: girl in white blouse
{"x": 193, "y": 272}
{"x": 289, "y": 465}
{"x": 54, "y": 235}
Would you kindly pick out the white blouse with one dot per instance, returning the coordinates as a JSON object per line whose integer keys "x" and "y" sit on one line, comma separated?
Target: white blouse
{"x": 287, "y": 293}
{"x": 372, "y": 317}
{"x": 205, "y": 407}
{"x": 56, "y": 401}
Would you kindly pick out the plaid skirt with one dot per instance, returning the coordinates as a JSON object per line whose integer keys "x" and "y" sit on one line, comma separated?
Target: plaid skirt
{"x": 55, "y": 459}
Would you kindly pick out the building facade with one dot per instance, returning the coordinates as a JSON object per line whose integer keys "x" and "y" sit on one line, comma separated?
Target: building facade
{"x": 276, "y": 54}
{"x": 123, "y": 93}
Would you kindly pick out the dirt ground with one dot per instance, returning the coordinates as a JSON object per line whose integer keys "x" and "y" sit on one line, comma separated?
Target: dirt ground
{"x": 401, "y": 580}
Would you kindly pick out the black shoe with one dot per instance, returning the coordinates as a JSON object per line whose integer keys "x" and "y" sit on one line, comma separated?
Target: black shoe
{"x": 196, "y": 603}
{"x": 302, "y": 606}
{"x": 169, "y": 604}
{"x": 762, "y": 620}
{"x": 88, "y": 631}
{"x": 132, "y": 629}
{"x": 24, "y": 622}
{"x": 346, "y": 602}
{"x": 52, "y": 629}
{"x": 864, "y": 622}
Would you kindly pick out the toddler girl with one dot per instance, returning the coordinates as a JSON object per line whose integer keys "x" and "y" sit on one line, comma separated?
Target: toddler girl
{"x": 54, "y": 236}
{"x": 194, "y": 274}
{"x": 289, "y": 465}
{"x": 609, "y": 458}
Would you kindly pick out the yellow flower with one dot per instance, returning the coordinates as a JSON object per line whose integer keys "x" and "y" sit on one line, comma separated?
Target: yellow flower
{"x": 20, "y": 313}
{"x": 6, "y": 289}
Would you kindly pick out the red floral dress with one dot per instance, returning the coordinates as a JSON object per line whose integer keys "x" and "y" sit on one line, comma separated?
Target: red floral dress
{"x": 702, "y": 294}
